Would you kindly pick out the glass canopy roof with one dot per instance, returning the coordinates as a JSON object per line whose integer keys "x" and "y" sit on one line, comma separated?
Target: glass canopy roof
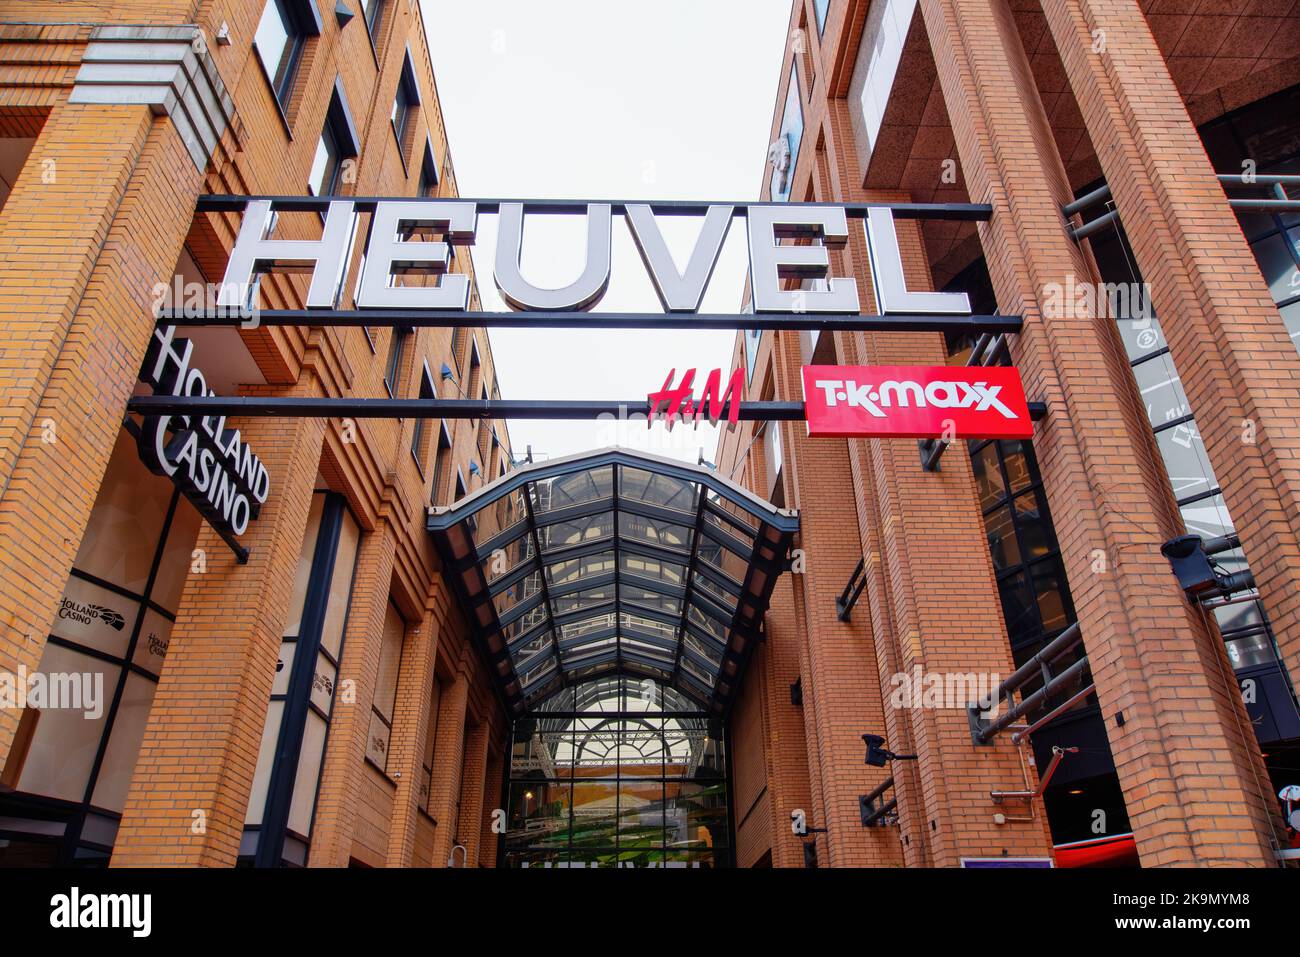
{"x": 614, "y": 562}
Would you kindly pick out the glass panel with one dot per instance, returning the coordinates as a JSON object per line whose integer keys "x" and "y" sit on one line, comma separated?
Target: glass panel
{"x": 1018, "y": 609}
{"x": 1016, "y": 464}
{"x": 711, "y": 653}
{"x": 509, "y": 557}
{"x": 670, "y": 573}
{"x": 1003, "y": 546}
{"x": 126, "y": 521}
{"x": 579, "y": 531}
{"x": 303, "y": 575}
{"x": 491, "y": 520}
{"x": 520, "y": 591}
{"x": 1278, "y": 265}
{"x": 583, "y": 600}
{"x": 706, "y": 622}
{"x": 340, "y": 594}
{"x": 575, "y": 569}
{"x": 322, "y": 684}
{"x": 653, "y": 531}
{"x": 390, "y": 659}
{"x": 177, "y": 556}
{"x": 1031, "y": 520}
{"x": 1161, "y": 390}
{"x": 579, "y": 488}
{"x": 1048, "y": 583}
{"x": 1208, "y": 518}
{"x": 124, "y": 743}
{"x": 95, "y": 617}
{"x": 1185, "y": 459}
{"x": 284, "y": 668}
{"x": 988, "y": 476}
{"x": 72, "y": 702}
{"x": 539, "y": 815}
{"x": 151, "y": 646}
{"x": 1251, "y": 650}
{"x": 272, "y": 40}
{"x": 304, "y": 785}
{"x": 377, "y": 741}
{"x": 1141, "y": 337}
{"x": 662, "y": 490}
{"x": 728, "y": 507}
{"x": 723, "y": 560}
{"x": 647, "y": 626}
{"x": 595, "y": 815}
{"x": 265, "y": 755}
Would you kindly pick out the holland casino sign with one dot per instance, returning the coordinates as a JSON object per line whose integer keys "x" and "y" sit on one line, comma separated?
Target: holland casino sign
{"x": 212, "y": 465}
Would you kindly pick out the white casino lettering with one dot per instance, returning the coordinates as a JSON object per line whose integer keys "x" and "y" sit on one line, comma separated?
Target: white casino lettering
{"x": 892, "y": 393}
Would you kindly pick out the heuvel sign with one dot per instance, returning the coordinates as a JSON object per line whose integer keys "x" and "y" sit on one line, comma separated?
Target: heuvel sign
{"x": 954, "y": 402}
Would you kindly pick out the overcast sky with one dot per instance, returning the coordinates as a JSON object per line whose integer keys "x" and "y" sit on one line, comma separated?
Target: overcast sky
{"x": 589, "y": 99}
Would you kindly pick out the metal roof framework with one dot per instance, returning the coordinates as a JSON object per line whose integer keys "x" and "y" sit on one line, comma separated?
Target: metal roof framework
{"x": 614, "y": 562}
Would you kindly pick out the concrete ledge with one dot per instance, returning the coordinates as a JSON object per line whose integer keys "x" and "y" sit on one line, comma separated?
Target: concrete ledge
{"x": 168, "y": 69}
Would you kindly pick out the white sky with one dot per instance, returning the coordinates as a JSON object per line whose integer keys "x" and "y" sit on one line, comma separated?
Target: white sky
{"x": 592, "y": 99}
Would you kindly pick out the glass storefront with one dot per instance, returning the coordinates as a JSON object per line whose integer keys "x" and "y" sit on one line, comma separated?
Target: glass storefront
{"x": 65, "y": 780}
{"x": 617, "y": 772}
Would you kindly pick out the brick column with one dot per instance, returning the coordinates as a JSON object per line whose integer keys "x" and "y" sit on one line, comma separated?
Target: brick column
{"x": 842, "y": 694}
{"x": 472, "y": 791}
{"x": 410, "y": 726}
{"x": 448, "y": 753}
{"x": 96, "y": 218}
{"x": 201, "y": 743}
{"x": 1186, "y": 757}
{"x": 1238, "y": 366}
{"x": 493, "y": 800}
{"x": 345, "y": 750}
{"x": 787, "y": 745}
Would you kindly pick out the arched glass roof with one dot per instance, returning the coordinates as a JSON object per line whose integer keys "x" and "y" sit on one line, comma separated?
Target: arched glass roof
{"x": 614, "y": 562}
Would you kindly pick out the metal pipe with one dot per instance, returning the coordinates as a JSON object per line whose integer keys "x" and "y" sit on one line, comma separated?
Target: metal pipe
{"x": 1224, "y": 543}
{"x": 1260, "y": 179}
{"x": 1058, "y": 753}
{"x": 1094, "y": 225}
{"x": 1277, "y": 205}
{"x": 1055, "y": 648}
{"x": 1027, "y": 705}
{"x": 998, "y": 351}
{"x": 1064, "y": 706}
{"x": 1102, "y": 192}
{"x": 978, "y": 349}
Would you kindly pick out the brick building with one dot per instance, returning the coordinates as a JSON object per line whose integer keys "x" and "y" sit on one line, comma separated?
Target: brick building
{"x": 1168, "y": 413}
{"x": 115, "y": 117}
{"x": 380, "y": 641}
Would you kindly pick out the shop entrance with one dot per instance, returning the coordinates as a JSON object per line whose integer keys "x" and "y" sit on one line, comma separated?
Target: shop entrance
{"x": 617, "y": 597}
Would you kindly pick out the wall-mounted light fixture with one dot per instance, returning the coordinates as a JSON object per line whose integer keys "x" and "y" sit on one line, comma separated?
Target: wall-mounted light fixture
{"x": 878, "y": 755}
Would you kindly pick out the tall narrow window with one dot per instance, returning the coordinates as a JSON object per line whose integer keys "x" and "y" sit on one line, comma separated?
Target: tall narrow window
{"x": 396, "y": 349}
{"x": 337, "y": 145}
{"x": 385, "y": 699}
{"x": 428, "y": 172}
{"x": 404, "y": 104}
{"x": 419, "y": 448}
{"x": 441, "y": 466}
{"x": 374, "y": 14}
{"x": 430, "y": 744}
{"x": 282, "y": 804}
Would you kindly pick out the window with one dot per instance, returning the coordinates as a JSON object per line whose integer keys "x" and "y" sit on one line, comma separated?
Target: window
{"x": 337, "y": 144}
{"x": 281, "y": 34}
{"x": 373, "y": 10}
{"x": 396, "y": 348}
{"x": 460, "y": 486}
{"x": 430, "y": 744}
{"x": 418, "y": 447}
{"x": 819, "y": 9}
{"x": 385, "y": 699}
{"x": 441, "y": 465}
{"x": 428, "y": 172}
{"x": 404, "y": 104}
{"x": 784, "y": 153}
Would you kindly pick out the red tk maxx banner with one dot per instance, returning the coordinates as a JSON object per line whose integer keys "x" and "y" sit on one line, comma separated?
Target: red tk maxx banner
{"x": 919, "y": 402}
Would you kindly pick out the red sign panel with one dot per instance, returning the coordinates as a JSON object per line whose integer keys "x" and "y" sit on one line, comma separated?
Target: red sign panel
{"x": 919, "y": 402}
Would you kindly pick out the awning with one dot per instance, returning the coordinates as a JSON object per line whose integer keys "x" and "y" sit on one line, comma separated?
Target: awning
{"x": 614, "y": 562}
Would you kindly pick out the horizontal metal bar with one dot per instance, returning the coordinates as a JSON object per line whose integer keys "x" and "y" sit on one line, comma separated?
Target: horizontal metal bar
{"x": 235, "y": 406}
{"x": 225, "y": 203}
{"x": 1097, "y": 195}
{"x": 1265, "y": 204}
{"x": 1094, "y": 225}
{"x": 358, "y": 318}
{"x": 1260, "y": 179}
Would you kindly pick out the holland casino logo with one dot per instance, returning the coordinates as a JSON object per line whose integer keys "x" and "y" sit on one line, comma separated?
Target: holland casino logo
{"x": 85, "y": 613}
{"x": 212, "y": 465}
{"x": 985, "y": 402}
